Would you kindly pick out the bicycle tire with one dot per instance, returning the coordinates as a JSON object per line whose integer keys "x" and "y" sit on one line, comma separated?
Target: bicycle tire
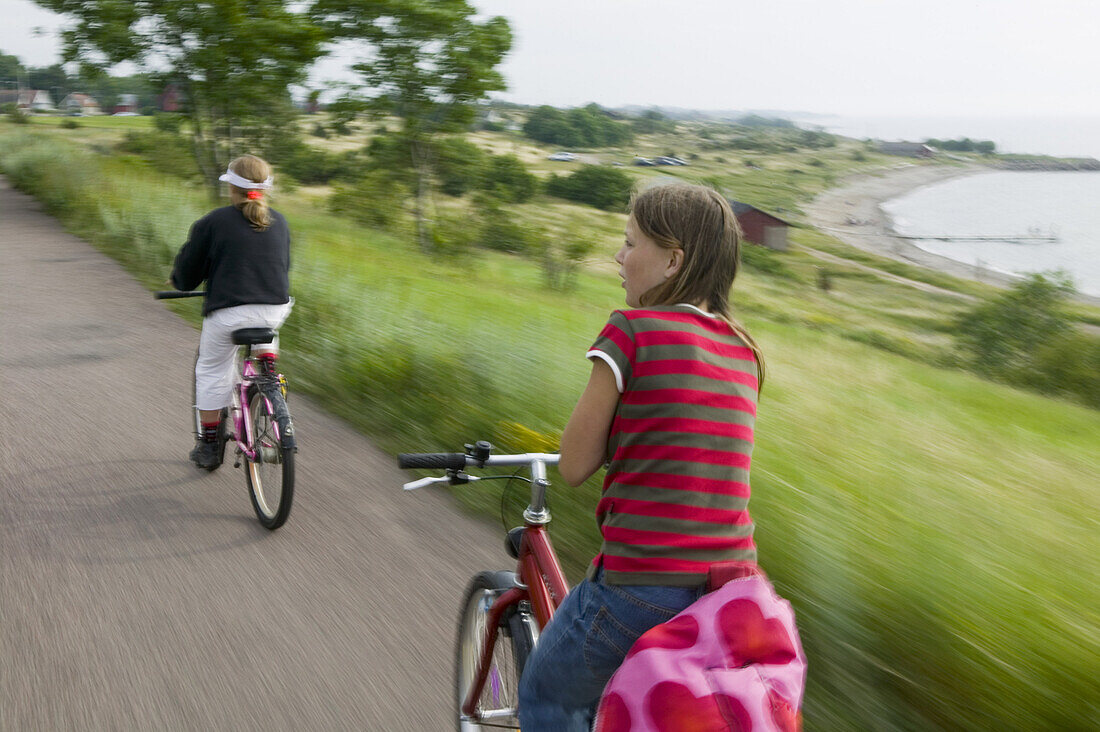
{"x": 515, "y": 640}
{"x": 271, "y": 476}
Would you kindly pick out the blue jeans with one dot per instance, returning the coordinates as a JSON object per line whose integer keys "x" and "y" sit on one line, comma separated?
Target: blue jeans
{"x": 584, "y": 644}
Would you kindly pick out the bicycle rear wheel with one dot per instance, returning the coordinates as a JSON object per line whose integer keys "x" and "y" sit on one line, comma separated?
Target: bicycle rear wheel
{"x": 271, "y": 475}
{"x": 516, "y": 637}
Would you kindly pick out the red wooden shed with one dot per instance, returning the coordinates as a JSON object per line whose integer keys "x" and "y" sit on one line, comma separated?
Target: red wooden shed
{"x": 760, "y": 227}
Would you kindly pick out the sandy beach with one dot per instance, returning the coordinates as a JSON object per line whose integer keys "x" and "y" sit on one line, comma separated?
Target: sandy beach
{"x": 853, "y": 213}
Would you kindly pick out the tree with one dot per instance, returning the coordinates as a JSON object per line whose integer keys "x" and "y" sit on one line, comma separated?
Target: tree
{"x": 11, "y": 70}
{"x": 234, "y": 61}
{"x": 429, "y": 63}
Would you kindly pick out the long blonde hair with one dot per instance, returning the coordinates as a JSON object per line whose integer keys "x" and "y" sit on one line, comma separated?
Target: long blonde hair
{"x": 699, "y": 221}
{"x": 255, "y": 210}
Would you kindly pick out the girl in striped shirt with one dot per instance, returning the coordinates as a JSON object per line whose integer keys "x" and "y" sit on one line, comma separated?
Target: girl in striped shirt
{"x": 669, "y": 408}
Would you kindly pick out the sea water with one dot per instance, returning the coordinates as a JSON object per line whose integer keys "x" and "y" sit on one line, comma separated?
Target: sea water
{"x": 1002, "y": 206}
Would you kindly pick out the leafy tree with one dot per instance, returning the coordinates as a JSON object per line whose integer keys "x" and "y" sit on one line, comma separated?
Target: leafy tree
{"x": 234, "y": 61}
{"x": 652, "y": 121}
{"x": 428, "y": 64}
{"x": 11, "y": 70}
{"x": 588, "y": 126}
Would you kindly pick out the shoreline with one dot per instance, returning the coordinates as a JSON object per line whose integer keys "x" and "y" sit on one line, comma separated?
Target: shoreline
{"x": 852, "y": 212}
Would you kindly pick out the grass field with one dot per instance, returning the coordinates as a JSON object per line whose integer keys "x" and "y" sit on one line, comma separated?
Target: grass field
{"x": 936, "y": 533}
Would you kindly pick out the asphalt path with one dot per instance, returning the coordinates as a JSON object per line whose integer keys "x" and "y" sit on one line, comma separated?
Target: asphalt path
{"x": 138, "y": 592}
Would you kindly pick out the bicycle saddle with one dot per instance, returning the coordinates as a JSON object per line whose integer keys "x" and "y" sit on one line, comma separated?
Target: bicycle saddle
{"x": 253, "y": 336}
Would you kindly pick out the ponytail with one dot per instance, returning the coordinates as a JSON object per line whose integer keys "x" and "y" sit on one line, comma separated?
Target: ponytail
{"x": 255, "y": 210}
{"x": 252, "y": 199}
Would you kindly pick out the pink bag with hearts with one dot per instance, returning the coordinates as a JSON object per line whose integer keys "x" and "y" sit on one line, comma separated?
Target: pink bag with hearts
{"x": 730, "y": 661}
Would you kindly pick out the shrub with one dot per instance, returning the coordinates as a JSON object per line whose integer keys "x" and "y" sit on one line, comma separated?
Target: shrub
{"x": 508, "y": 178}
{"x": 499, "y": 230}
{"x": 460, "y": 166}
{"x": 999, "y": 337}
{"x": 167, "y": 121}
{"x": 70, "y": 124}
{"x": 167, "y": 152}
{"x": 561, "y": 259}
{"x": 1068, "y": 364}
{"x": 312, "y": 166}
{"x": 766, "y": 261}
{"x": 376, "y": 199}
{"x": 451, "y": 235}
{"x": 602, "y": 187}
{"x": 15, "y": 114}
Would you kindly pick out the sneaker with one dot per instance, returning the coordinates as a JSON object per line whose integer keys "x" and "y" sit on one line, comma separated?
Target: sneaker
{"x": 205, "y": 455}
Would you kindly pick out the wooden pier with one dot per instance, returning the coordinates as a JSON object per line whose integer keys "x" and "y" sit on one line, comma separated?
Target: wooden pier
{"x": 1029, "y": 238}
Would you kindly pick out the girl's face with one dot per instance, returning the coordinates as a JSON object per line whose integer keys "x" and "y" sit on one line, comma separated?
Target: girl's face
{"x": 644, "y": 264}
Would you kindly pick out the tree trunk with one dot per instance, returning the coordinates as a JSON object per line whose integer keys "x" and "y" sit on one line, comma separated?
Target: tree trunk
{"x": 206, "y": 162}
{"x": 420, "y": 166}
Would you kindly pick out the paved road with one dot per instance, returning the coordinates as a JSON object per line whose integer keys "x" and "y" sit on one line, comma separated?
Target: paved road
{"x": 137, "y": 592}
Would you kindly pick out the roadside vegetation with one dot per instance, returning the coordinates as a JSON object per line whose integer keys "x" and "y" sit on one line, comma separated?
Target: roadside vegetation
{"x": 930, "y": 527}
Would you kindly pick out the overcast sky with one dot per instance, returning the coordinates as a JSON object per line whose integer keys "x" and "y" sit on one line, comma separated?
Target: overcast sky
{"x": 949, "y": 57}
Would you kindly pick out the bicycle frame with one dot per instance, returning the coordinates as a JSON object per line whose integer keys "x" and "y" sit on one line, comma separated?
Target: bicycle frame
{"x": 539, "y": 577}
{"x": 242, "y": 426}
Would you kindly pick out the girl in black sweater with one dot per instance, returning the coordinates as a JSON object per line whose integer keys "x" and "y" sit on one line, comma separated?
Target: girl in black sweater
{"x": 242, "y": 252}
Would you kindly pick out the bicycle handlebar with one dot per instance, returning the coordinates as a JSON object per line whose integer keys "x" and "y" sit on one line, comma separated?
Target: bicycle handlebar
{"x": 175, "y": 294}
{"x": 447, "y": 460}
{"x": 477, "y": 456}
{"x": 458, "y": 460}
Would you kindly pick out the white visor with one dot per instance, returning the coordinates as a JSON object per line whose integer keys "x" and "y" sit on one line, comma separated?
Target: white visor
{"x": 230, "y": 177}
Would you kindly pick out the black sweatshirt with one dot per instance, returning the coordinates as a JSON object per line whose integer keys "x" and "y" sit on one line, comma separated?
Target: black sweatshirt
{"x": 241, "y": 266}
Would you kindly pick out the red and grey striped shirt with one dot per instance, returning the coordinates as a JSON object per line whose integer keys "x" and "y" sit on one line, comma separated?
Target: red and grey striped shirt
{"x": 675, "y": 497}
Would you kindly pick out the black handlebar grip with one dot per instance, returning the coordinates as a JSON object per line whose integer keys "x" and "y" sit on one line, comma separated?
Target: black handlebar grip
{"x": 174, "y": 294}
{"x": 449, "y": 460}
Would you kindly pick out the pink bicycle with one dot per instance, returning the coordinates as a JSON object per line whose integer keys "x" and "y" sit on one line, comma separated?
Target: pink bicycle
{"x": 258, "y": 421}
{"x": 503, "y": 612}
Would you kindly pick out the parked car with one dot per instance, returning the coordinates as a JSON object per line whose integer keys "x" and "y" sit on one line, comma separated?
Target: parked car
{"x": 562, "y": 156}
{"x": 643, "y": 161}
{"x": 669, "y": 160}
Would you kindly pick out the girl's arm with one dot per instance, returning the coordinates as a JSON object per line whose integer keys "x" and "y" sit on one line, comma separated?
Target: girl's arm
{"x": 191, "y": 266}
{"x": 584, "y": 441}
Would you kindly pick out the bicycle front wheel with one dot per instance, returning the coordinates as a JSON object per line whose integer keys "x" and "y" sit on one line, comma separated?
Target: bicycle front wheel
{"x": 516, "y": 636}
{"x": 271, "y": 474}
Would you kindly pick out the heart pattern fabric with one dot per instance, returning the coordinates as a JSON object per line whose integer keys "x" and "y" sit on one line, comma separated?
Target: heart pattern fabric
{"x": 731, "y": 661}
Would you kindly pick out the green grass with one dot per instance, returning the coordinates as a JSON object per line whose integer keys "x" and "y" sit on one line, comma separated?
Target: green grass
{"x": 936, "y": 533}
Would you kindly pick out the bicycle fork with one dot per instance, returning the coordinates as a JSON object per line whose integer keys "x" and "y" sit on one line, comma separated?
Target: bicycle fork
{"x": 506, "y": 600}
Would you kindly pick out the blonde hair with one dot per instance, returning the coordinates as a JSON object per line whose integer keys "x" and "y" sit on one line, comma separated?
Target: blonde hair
{"x": 256, "y": 170}
{"x": 699, "y": 221}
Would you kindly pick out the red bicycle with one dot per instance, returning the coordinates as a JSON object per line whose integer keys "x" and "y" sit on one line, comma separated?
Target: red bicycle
{"x": 503, "y": 612}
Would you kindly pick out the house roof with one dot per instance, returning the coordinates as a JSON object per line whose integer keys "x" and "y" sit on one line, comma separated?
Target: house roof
{"x": 904, "y": 147}
{"x": 740, "y": 208}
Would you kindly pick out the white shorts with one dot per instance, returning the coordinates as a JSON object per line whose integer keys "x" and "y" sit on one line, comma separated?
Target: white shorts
{"x": 215, "y": 369}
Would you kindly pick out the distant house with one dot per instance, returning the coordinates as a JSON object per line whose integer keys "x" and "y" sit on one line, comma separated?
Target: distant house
{"x": 28, "y": 100}
{"x": 907, "y": 149}
{"x": 127, "y": 104}
{"x": 80, "y": 104}
{"x": 760, "y": 227}
{"x": 170, "y": 100}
